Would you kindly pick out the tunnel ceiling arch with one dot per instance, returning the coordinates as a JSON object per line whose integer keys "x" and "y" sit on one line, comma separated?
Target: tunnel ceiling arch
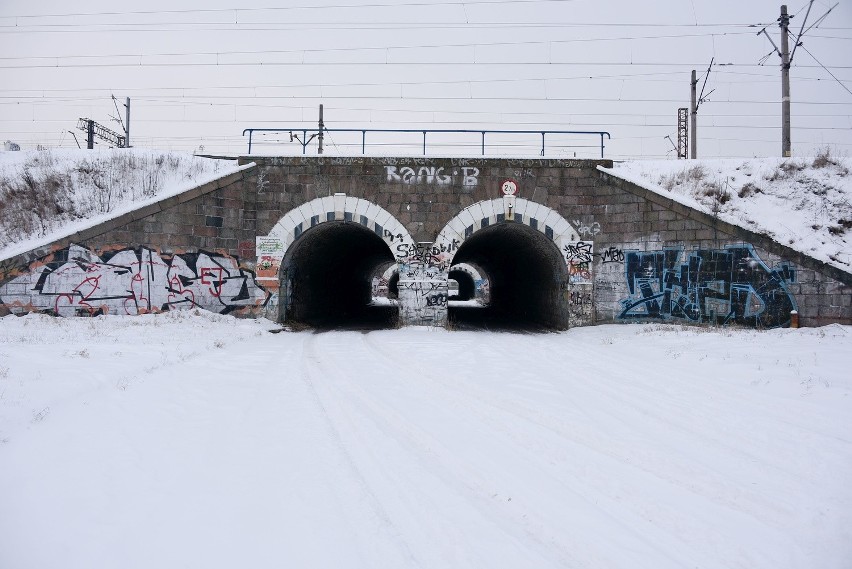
{"x": 488, "y": 213}
{"x": 346, "y": 209}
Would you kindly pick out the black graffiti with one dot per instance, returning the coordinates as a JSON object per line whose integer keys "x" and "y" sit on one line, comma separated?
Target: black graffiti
{"x": 612, "y": 255}
{"x": 424, "y": 256}
{"x": 424, "y": 251}
{"x": 731, "y": 285}
{"x": 442, "y": 248}
{"x": 580, "y": 298}
{"x": 390, "y": 236}
{"x": 578, "y": 253}
{"x": 436, "y": 300}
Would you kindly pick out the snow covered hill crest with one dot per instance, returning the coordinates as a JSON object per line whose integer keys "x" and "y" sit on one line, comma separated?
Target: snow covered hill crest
{"x": 803, "y": 203}
{"x": 43, "y": 193}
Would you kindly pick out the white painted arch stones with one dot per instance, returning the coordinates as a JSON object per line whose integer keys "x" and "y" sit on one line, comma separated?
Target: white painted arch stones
{"x": 578, "y": 254}
{"x": 341, "y": 207}
{"x": 423, "y": 267}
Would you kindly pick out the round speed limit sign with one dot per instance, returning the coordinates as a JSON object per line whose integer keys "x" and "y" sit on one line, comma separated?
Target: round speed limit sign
{"x": 509, "y": 187}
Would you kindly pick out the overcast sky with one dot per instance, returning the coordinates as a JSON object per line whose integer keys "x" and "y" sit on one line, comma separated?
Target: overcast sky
{"x": 199, "y": 73}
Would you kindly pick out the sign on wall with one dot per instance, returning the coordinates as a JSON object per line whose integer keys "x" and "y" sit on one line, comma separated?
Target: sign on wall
{"x": 270, "y": 252}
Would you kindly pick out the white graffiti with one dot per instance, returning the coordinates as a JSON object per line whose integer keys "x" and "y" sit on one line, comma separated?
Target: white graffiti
{"x": 77, "y": 282}
{"x": 465, "y": 175}
{"x": 586, "y": 229}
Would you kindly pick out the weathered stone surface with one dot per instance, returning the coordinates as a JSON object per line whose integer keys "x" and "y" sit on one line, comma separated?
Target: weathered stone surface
{"x": 711, "y": 266}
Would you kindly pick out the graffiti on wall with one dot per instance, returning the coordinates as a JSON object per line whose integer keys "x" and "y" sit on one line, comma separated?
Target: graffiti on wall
{"x": 722, "y": 286}
{"x": 426, "y": 260}
{"x": 423, "y": 281}
{"x": 464, "y": 175}
{"x": 76, "y": 282}
{"x": 578, "y": 257}
{"x": 587, "y": 229}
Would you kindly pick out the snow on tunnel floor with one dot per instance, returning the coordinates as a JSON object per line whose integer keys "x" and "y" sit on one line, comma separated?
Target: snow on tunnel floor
{"x": 191, "y": 439}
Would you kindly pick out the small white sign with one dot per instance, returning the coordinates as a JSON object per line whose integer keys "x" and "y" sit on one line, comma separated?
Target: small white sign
{"x": 269, "y": 246}
{"x": 509, "y": 187}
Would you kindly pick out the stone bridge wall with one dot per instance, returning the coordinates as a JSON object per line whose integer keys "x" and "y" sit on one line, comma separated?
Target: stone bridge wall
{"x": 643, "y": 256}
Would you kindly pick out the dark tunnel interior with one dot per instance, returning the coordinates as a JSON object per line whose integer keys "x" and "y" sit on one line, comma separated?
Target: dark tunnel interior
{"x": 526, "y": 273}
{"x": 329, "y": 272}
{"x": 467, "y": 288}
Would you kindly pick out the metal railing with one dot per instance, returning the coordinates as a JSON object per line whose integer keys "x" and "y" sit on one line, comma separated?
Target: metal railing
{"x": 305, "y": 139}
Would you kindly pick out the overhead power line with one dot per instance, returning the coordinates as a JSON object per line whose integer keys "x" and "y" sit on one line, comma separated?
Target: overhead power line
{"x": 429, "y": 3}
{"x": 321, "y": 25}
{"x": 350, "y": 49}
{"x": 141, "y": 63}
{"x": 201, "y": 101}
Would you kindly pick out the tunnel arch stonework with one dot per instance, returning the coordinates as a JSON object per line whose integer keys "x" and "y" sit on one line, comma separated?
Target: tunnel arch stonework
{"x": 648, "y": 257}
{"x": 509, "y": 212}
{"x": 283, "y": 241}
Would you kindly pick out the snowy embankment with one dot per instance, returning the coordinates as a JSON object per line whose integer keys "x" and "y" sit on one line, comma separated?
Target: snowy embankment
{"x": 48, "y": 194}
{"x": 189, "y": 439}
{"x": 803, "y": 203}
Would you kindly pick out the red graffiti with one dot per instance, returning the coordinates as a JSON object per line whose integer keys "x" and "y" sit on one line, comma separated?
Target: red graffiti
{"x": 216, "y": 274}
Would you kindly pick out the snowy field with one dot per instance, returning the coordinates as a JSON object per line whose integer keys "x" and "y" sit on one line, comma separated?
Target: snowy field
{"x": 197, "y": 440}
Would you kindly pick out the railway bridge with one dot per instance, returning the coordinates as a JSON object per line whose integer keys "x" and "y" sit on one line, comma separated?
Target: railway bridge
{"x": 538, "y": 242}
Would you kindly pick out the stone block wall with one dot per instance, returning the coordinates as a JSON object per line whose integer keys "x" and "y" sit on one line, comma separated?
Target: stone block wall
{"x": 634, "y": 244}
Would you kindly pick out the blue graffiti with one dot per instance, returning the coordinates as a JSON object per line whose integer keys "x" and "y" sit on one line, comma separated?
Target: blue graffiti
{"x": 731, "y": 285}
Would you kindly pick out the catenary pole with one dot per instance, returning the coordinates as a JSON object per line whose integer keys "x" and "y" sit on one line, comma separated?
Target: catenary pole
{"x": 127, "y": 123}
{"x": 321, "y": 127}
{"x": 784, "y": 22}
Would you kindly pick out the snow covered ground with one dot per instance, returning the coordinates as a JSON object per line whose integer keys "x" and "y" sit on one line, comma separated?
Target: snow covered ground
{"x": 803, "y": 203}
{"x": 190, "y": 439}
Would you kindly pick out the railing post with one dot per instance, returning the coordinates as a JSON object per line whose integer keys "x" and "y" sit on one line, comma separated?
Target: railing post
{"x": 304, "y": 140}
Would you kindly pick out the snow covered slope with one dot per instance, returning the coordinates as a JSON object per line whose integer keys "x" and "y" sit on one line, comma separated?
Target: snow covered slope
{"x": 803, "y": 203}
{"x": 189, "y": 439}
{"x": 48, "y": 194}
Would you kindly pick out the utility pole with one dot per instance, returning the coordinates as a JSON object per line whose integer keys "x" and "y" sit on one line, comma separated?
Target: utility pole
{"x": 321, "y": 127}
{"x": 784, "y": 22}
{"x": 693, "y": 117}
{"x": 786, "y": 63}
{"x": 127, "y": 123}
{"x": 695, "y": 101}
{"x": 90, "y": 134}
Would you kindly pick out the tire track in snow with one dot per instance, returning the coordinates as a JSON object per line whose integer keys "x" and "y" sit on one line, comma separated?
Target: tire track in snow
{"x": 310, "y": 361}
{"x": 706, "y": 491}
{"x": 435, "y": 457}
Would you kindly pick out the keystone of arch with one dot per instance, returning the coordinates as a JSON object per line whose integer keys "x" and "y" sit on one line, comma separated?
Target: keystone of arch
{"x": 348, "y": 209}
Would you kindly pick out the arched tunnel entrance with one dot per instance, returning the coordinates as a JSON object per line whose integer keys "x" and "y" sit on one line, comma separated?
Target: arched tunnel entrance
{"x": 327, "y": 278}
{"x": 466, "y": 289}
{"x": 526, "y": 274}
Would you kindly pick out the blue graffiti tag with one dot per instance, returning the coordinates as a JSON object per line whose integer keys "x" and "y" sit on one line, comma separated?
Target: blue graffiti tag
{"x": 722, "y": 286}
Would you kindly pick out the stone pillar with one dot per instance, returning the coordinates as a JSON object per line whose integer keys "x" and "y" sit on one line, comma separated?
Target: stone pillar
{"x": 423, "y": 288}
